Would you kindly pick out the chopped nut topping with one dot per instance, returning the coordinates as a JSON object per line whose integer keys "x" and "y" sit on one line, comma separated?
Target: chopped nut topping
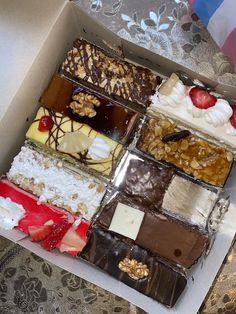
{"x": 100, "y": 188}
{"x": 191, "y": 154}
{"x": 83, "y": 105}
{"x": 136, "y": 270}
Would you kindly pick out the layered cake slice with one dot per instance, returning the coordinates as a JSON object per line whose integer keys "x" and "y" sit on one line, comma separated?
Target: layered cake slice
{"x": 163, "y": 140}
{"x": 197, "y": 107}
{"x": 75, "y": 141}
{"x": 129, "y": 83}
{"x": 51, "y": 182}
{"x": 85, "y": 106}
{"x": 53, "y": 226}
{"x": 162, "y": 235}
{"x": 134, "y": 266}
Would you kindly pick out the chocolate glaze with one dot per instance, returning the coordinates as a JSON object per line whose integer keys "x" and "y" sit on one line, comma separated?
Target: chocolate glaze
{"x": 164, "y": 236}
{"x": 146, "y": 183}
{"x": 113, "y": 76}
{"x": 106, "y": 251}
{"x": 111, "y": 119}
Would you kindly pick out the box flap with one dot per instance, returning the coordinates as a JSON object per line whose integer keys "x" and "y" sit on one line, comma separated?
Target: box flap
{"x": 22, "y": 34}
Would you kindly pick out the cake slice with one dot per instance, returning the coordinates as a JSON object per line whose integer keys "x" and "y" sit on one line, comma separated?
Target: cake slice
{"x": 88, "y": 107}
{"x": 112, "y": 76}
{"x": 39, "y": 220}
{"x": 198, "y": 108}
{"x": 134, "y": 266}
{"x": 74, "y": 141}
{"x": 52, "y": 183}
{"x": 163, "y": 140}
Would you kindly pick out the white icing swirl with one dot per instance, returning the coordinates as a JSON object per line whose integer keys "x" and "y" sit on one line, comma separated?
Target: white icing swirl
{"x": 10, "y": 213}
{"x": 219, "y": 114}
{"x": 99, "y": 149}
{"x": 229, "y": 129}
{"x": 176, "y": 96}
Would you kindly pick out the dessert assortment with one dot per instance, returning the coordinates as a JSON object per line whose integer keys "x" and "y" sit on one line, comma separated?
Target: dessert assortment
{"x": 109, "y": 173}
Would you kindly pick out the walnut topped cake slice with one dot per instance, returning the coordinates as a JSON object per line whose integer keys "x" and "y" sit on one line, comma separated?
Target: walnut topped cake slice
{"x": 89, "y": 64}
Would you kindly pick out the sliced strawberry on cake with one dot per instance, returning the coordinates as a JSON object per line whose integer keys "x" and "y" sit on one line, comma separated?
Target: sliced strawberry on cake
{"x": 39, "y": 233}
{"x": 57, "y": 233}
{"x": 75, "y": 239}
{"x": 233, "y": 117}
{"x": 201, "y": 98}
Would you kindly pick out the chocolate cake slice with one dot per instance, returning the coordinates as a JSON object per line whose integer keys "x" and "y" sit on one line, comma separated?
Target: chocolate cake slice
{"x": 134, "y": 266}
{"x": 93, "y": 66}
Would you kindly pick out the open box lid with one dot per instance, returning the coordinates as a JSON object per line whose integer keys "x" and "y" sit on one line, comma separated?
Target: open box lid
{"x": 22, "y": 34}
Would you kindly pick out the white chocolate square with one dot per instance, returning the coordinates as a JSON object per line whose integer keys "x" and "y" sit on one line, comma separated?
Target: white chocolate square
{"x": 126, "y": 221}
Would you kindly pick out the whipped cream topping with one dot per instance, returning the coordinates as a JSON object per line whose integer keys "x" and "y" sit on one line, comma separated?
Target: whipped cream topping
{"x": 230, "y": 130}
{"x": 176, "y": 96}
{"x": 10, "y": 213}
{"x": 217, "y": 115}
{"x": 99, "y": 149}
{"x": 46, "y": 178}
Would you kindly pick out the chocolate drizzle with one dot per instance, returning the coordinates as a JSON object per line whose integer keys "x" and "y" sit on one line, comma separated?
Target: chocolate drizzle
{"x": 114, "y": 76}
{"x": 57, "y": 132}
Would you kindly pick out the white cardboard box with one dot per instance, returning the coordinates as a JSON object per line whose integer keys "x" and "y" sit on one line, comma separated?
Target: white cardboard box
{"x": 34, "y": 37}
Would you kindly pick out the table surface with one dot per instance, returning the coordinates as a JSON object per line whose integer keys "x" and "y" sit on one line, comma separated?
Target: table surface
{"x": 29, "y": 284}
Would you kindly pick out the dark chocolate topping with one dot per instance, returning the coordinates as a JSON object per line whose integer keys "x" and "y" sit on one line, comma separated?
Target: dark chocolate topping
{"x": 146, "y": 183}
{"x": 164, "y": 236}
{"x": 106, "y": 251}
{"x": 175, "y": 136}
{"x": 111, "y": 119}
{"x": 113, "y": 76}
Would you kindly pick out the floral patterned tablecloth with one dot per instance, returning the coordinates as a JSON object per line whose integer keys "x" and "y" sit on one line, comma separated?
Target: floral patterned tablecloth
{"x": 29, "y": 284}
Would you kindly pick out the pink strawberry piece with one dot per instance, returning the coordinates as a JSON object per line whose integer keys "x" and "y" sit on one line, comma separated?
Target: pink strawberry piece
{"x": 57, "y": 233}
{"x": 75, "y": 239}
{"x": 233, "y": 117}
{"x": 201, "y": 98}
{"x": 35, "y": 214}
{"x": 45, "y": 124}
{"x": 39, "y": 233}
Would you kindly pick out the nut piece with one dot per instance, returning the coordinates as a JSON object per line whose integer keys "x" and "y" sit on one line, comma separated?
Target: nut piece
{"x": 135, "y": 270}
{"x": 83, "y": 105}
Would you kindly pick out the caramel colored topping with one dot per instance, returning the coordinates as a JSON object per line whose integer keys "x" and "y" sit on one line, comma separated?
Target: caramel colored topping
{"x": 167, "y": 87}
{"x": 136, "y": 270}
{"x": 193, "y": 155}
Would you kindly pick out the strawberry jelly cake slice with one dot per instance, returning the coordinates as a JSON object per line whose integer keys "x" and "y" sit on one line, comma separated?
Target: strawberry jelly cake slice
{"x": 54, "y": 226}
{"x": 197, "y": 107}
